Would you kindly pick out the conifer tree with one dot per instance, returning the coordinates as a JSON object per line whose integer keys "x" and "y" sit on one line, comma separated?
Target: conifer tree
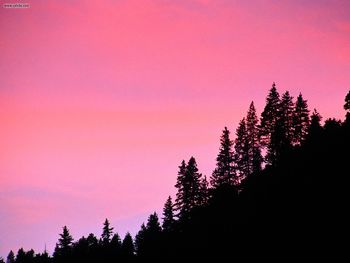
{"x": 107, "y": 232}
{"x": 253, "y": 142}
{"x": 148, "y": 239}
{"x": 140, "y": 240}
{"x": 204, "y": 191}
{"x": 128, "y": 249}
{"x": 241, "y": 153}
{"x": 301, "y": 120}
{"x": 315, "y": 124}
{"x": 10, "y": 257}
{"x": 286, "y": 115}
{"x": 193, "y": 177}
{"x": 347, "y": 102}
{"x": 64, "y": 245}
{"x": 21, "y": 256}
{"x": 116, "y": 242}
{"x": 182, "y": 202}
{"x": 269, "y": 115}
{"x": 168, "y": 215}
{"x": 189, "y": 188}
{"x": 224, "y": 171}
{"x": 153, "y": 225}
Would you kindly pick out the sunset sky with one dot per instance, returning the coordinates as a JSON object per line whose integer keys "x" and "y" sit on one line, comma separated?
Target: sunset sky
{"x": 101, "y": 100}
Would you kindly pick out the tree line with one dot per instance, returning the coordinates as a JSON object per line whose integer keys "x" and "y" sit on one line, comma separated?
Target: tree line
{"x": 283, "y": 172}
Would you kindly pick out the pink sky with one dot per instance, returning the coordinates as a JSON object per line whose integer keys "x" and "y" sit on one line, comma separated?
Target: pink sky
{"x": 101, "y": 100}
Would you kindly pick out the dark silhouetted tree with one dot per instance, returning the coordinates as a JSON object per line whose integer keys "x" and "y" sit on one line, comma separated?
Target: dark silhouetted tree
{"x": 21, "y": 256}
{"x": 115, "y": 247}
{"x": 224, "y": 172}
{"x": 128, "y": 249}
{"x": 301, "y": 120}
{"x": 64, "y": 245}
{"x": 347, "y": 102}
{"x": 269, "y": 116}
{"x": 204, "y": 191}
{"x": 241, "y": 153}
{"x": 107, "y": 232}
{"x": 140, "y": 240}
{"x": 116, "y": 242}
{"x": 10, "y": 257}
{"x": 148, "y": 239}
{"x": 2, "y": 260}
{"x": 315, "y": 124}
{"x": 194, "y": 179}
{"x": 168, "y": 215}
{"x": 347, "y": 108}
{"x": 253, "y": 142}
{"x": 270, "y": 130}
{"x": 189, "y": 188}
{"x": 182, "y": 202}
{"x": 92, "y": 240}
{"x": 286, "y": 115}
{"x": 153, "y": 225}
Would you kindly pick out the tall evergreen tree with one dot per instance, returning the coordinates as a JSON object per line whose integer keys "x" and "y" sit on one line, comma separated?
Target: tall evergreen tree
{"x": 204, "y": 191}
{"x": 21, "y": 256}
{"x": 193, "y": 177}
{"x": 269, "y": 116}
{"x": 224, "y": 171}
{"x": 141, "y": 240}
{"x": 128, "y": 249}
{"x": 168, "y": 215}
{"x": 153, "y": 224}
{"x": 182, "y": 202}
{"x": 189, "y": 188}
{"x": 347, "y": 102}
{"x": 116, "y": 242}
{"x": 10, "y": 257}
{"x": 301, "y": 120}
{"x": 241, "y": 153}
{"x": 286, "y": 115}
{"x": 270, "y": 129}
{"x": 107, "y": 232}
{"x": 92, "y": 240}
{"x": 64, "y": 245}
{"x": 253, "y": 142}
{"x": 315, "y": 124}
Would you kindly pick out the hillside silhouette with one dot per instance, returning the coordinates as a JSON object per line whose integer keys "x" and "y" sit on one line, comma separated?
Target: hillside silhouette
{"x": 278, "y": 190}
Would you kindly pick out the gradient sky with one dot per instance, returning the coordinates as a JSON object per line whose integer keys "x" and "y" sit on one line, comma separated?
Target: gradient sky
{"x": 101, "y": 100}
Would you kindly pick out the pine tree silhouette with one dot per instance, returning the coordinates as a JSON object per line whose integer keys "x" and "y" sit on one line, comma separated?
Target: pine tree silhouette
{"x": 301, "y": 120}
{"x": 253, "y": 142}
{"x": 141, "y": 241}
{"x": 269, "y": 115}
{"x": 182, "y": 202}
{"x": 107, "y": 232}
{"x": 241, "y": 153}
{"x": 10, "y": 257}
{"x": 168, "y": 216}
{"x": 64, "y": 246}
{"x": 128, "y": 249}
{"x": 287, "y": 116}
{"x": 315, "y": 128}
{"x": 224, "y": 172}
{"x": 188, "y": 186}
{"x": 347, "y": 102}
{"x": 204, "y": 191}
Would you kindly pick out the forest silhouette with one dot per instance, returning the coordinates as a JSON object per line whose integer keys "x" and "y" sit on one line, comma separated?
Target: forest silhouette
{"x": 278, "y": 188}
